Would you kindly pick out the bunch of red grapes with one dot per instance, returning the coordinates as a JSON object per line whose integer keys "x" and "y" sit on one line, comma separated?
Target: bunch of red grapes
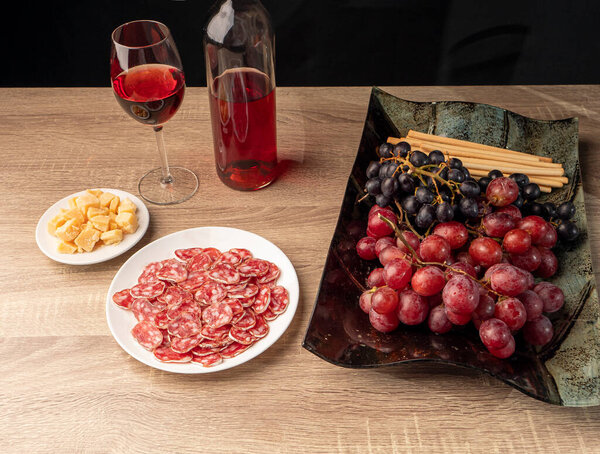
{"x": 480, "y": 270}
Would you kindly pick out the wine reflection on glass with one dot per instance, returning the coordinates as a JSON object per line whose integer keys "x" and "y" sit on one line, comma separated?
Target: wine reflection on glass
{"x": 148, "y": 82}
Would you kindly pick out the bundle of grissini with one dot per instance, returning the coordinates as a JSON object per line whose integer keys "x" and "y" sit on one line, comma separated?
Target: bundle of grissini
{"x": 481, "y": 159}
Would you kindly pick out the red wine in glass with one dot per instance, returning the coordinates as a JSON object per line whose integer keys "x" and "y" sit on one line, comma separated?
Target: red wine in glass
{"x": 148, "y": 82}
{"x": 150, "y": 93}
{"x": 242, "y": 107}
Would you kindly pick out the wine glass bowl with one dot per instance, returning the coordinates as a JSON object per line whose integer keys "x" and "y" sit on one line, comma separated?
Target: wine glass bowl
{"x": 149, "y": 83}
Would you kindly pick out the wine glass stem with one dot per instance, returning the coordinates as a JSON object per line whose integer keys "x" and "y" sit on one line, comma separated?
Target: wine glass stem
{"x": 162, "y": 152}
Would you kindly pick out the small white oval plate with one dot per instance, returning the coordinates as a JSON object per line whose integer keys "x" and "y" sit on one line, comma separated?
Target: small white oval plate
{"x": 47, "y": 243}
{"x": 121, "y": 321}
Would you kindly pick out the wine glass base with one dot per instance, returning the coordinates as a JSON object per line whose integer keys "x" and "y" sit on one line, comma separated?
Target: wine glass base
{"x": 183, "y": 186}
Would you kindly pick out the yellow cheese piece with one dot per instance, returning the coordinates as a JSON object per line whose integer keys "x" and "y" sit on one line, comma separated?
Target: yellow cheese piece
{"x": 127, "y": 205}
{"x": 69, "y": 230}
{"x": 100, "y": 222}
{"x": 87, "y": 200}
{"x": 95, "y": 192}
{"x": 73, "y": 203}
{"x": 93, "y": 211}
{"x": 127, "y": 222}
{"x": 105, "y": 198}
{"x": 66, "y": 248}
{"x": 88, "y": 238}
{"x": 114, "y": 203}
{"x": 76, "y": 214}
{"x": 56, "y": 222}
{"x": 112, "y": 236}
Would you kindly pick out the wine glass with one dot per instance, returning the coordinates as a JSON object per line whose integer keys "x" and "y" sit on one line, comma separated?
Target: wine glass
{"x": 148, "y": 82}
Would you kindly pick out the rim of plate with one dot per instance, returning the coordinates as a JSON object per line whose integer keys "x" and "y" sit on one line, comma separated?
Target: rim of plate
{"x": 47, "y": 243}
{"x": 133, "y": 266}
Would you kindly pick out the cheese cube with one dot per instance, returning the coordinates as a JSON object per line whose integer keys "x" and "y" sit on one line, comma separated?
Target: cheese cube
{"x": 100, "y": 222}
{"x": 66, "y": 248}
{"x": 127, "y": 222}
{"x": 76, "y": 214}
{"x": 112, "y": 236}
{"x": 95, "y": 192}
{"x": 56, "y": 222}
{"x": 127, "y": 205}
{"x": 87, "y": 200}
{"x": 93, "y": 211}
{"x": 114, "y": 203}
{"x": 73, "y": 203}
{"x": 69, "y": 230}
{"x": 105, "y": 198}
{"x": 87, "y": 239}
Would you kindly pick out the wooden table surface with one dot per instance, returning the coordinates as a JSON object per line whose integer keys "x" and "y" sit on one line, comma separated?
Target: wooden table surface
{"x": 65, "y": 384}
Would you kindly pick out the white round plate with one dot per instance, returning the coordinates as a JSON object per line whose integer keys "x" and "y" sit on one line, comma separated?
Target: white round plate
{"x": 47, "y": 243}
{"x": 121, "y": 321}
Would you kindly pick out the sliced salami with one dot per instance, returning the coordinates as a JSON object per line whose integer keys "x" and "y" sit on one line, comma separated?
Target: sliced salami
{"x": 203, "y": 350}
{"x": 269, "y": 315}
{"x": 233, "y": 349}
{"x": 260, "y": 328}
{"x": 213, "y": 253}
{"x": 175, "y": 295}
{"x": 194, "y": 280}
{"x": 247, "y": 302}
{"x": 241, "y": 336}
{"x": 224, "y": 274}
{"x": 271, "y": 275}
{"x": 167, "y": 355}
{"x": 186, "y": 325}
{"x": 166, "y": 338}
{"x": 149, "y": 290}
{"x": 244, "y": 254}
{"x": 147, "y": 335}
{"x": 247, "y": 321}
{"x": 186, "y": 254}
{"x": 215, "y": 333}
{"x": 123, "y": 299}
{"x": 208, "y": 360}
{"x": 280, "y": 299}
{"x": 173, "y": 271}
{"x": 263, "y": 299}
{"x": 200, "y": 262}
{"x": 235, "y": 305}
{"x": 217, "y": 343}
{"x": 190, "y": 307}
{"x": 161, "y": 320}
{"x": 217, "y": 315}
{"x": 229, "y": 257}
{"x": 248, "y": 291}
{"x": 149, "y": 273}
{"x": 143, "y": 310}
{"x": 185, "y": 344}
{"x": 254, "y": 267}
{"x": 210, "y": 293}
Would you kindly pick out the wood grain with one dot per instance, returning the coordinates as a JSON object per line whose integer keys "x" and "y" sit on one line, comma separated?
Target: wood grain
{"x": 65, "y": 384}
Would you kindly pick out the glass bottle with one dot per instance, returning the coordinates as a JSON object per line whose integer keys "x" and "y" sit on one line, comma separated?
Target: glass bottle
{"x": 239, "y": 48}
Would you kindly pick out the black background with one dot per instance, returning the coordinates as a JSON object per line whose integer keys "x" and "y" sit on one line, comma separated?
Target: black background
{"x": 328, "y": 42}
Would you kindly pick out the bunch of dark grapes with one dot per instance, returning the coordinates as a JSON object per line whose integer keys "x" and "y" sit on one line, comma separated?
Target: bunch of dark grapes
{"x": 430, "y": 188}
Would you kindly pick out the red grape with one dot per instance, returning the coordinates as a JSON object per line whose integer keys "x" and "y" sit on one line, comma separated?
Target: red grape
{"x": 377, "y": 209}
{"x": 505, "y": 351}
{"x": 494, "y": 333}
{"x": 378, "y": 227}
{"x": 538, "y": 331}
{"x": 375, "y": 278}
{"x": 428, "y": 281}
{"x": 484, "y": 310}
{"x": 365, "y": 301}
{"x": 391, "y": 253}
{"x": 548, "y": 264}
{"x": 365, "y": 248}
{"x": 382, "y": 243}
{"x": 485, "y": 251}
{"x": 453, "y": 232}
{"x": 434, "y": 248}
{"x": 502, "y": 191}
{"x": 384, "y": 300}
{"x": 383, "y": 322}
{"x": 461, "y": 295}
{"x": 516, "y": 241}
{"x": 411, "y": 239}
{"x": 512, "y": 312}
{"x": 458, "y": 319}
{"x": 528, "y": 261}
{"x": 397, "y": 274}
{"x": 549, "y": 237}
{"x": 509, "y": 280}
{"x": 552, "y": 296}
{"x": 512, "y": 210}
{"x": 534, "y": 305}
{"x": 535, "y": 226}
{"x": 412, "y": 307}
{"x": 498, "y": 266}
{"x": 464, "y": 257}
{"x": 438, "y": 321}
{"x": 497, "y": 224}
{"x": 460, "y": 266}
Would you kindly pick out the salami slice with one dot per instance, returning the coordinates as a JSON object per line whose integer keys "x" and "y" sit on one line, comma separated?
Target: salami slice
{"x": 150, "y": 290}
{"x": 280, "y": 299}
{"x": 209, "y": 360}
{"x": 247, "y": 302}
{"x": 248, "y": 291}
{"x": 166, "y": 338}
{"x": 213, "y": 253}
{"x": 247, "y": 321}
{"x": 167, "y": 355}
{"x": 254, "y": 267}
{"x": 263, "y": 299}
{"x": 175, "y": 295}
{"x": 172, "y": 271}
{"x": 215, "y": 333}
{"x": 123, "y": 299}
{"x": 161, "y": 320}
{"x": 190, "y": 307}
{"x": 186, "y": 254}
{"x": 147, "y": 335}
{"x": 235, "y": 305}
{"x": 260, "y": 328}
{"x": 269, "y": 315}
{"x": 218, "y": 343}
{"x": 202, "y": 350}
{"x": 244, "y": 254}
{"x": 186, "y": 325}
{"x": 185, "y": 344}
{"x": 217, "y": 315}
{"x": 149, "y": 273}
{"x": 229, "y": 257}
{"x": 233, "y": 349}
{"x": 225, "y": 274}
{"x": 144, "y": 310}
{"x": 271, "y": 275}
{"x": 194, "y": 280}
{"x": 241, "y": 336}
{"x": 200, "y": 262}
{"x": 210, "y": 293}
